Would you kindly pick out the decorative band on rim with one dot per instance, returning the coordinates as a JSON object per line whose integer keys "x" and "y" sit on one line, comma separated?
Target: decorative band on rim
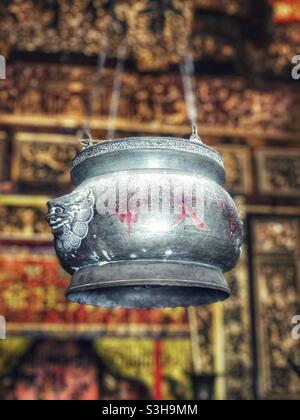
{"x": 135, "y": 143}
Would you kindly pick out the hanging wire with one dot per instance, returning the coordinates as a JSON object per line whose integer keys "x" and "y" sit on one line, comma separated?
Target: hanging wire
{"x": 100, "y": 65}
{"x": 84, "y": 134}
{"x": 116, "y": 90}
{"x": 187, "y": 70}
{"x": 188, "y": 78}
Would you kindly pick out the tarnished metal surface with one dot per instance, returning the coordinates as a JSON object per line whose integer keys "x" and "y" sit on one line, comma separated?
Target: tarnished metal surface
{"x": 149, "y": 225}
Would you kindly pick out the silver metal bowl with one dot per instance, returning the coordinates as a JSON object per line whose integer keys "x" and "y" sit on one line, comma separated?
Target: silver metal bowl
{"x": 148, "y": 225}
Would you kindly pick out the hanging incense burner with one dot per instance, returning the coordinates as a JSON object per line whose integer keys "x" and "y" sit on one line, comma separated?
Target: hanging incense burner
{"x": 148, "y": 225}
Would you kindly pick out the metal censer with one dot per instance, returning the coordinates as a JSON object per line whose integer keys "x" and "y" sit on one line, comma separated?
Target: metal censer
{"x": 148, "y": 225}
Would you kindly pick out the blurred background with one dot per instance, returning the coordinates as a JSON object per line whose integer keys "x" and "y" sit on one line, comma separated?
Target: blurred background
{"x": 69, "y": 64}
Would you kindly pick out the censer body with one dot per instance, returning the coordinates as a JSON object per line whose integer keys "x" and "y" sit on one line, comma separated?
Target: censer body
{"x": 148, "y": 225}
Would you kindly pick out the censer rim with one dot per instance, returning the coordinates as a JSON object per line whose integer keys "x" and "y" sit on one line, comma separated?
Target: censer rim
{"x": 135, "y": 143}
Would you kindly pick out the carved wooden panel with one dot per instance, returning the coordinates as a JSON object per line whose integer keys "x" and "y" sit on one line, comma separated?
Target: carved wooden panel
{"x": 157, "y": 32}
{"x": 206, "y": 351}
{"x": 237, "y": 331}
{"x": 231, "y": 7}
{"x": 238, "y": 168}
{"x": 23, "y": 218}
{"x": 283, "y": 47}
{"x": 44, "y": 159}
{"x": 279, "y": 171}
{"x": 276, "y": 236}
{"x": 238, "y": 327}
{"x": 276, "y": 287}
{"x": 157, "y": 35}
{"x": 156, "y": 101}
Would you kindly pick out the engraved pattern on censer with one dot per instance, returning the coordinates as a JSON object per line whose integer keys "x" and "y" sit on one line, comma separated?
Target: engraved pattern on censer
{"x": 152, "y": 143}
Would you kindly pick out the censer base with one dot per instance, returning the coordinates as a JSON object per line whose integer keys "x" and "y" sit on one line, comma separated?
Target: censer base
{"x": 148, "y": 284}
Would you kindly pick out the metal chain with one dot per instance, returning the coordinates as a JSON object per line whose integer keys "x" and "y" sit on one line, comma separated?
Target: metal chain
{"x": 188, "y": 80}
{"x": 187, "y": 70}
{"x": 116, "y": 90}
{"x": 84, "y": 135}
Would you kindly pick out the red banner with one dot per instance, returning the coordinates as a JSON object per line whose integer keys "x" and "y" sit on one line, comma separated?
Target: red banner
{"x": 285, "y": 11}
{"x": 33, "y": 294}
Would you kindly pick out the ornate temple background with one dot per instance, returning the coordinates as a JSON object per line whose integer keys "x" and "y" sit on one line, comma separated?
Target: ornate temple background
{"x": 248, "y": 108}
